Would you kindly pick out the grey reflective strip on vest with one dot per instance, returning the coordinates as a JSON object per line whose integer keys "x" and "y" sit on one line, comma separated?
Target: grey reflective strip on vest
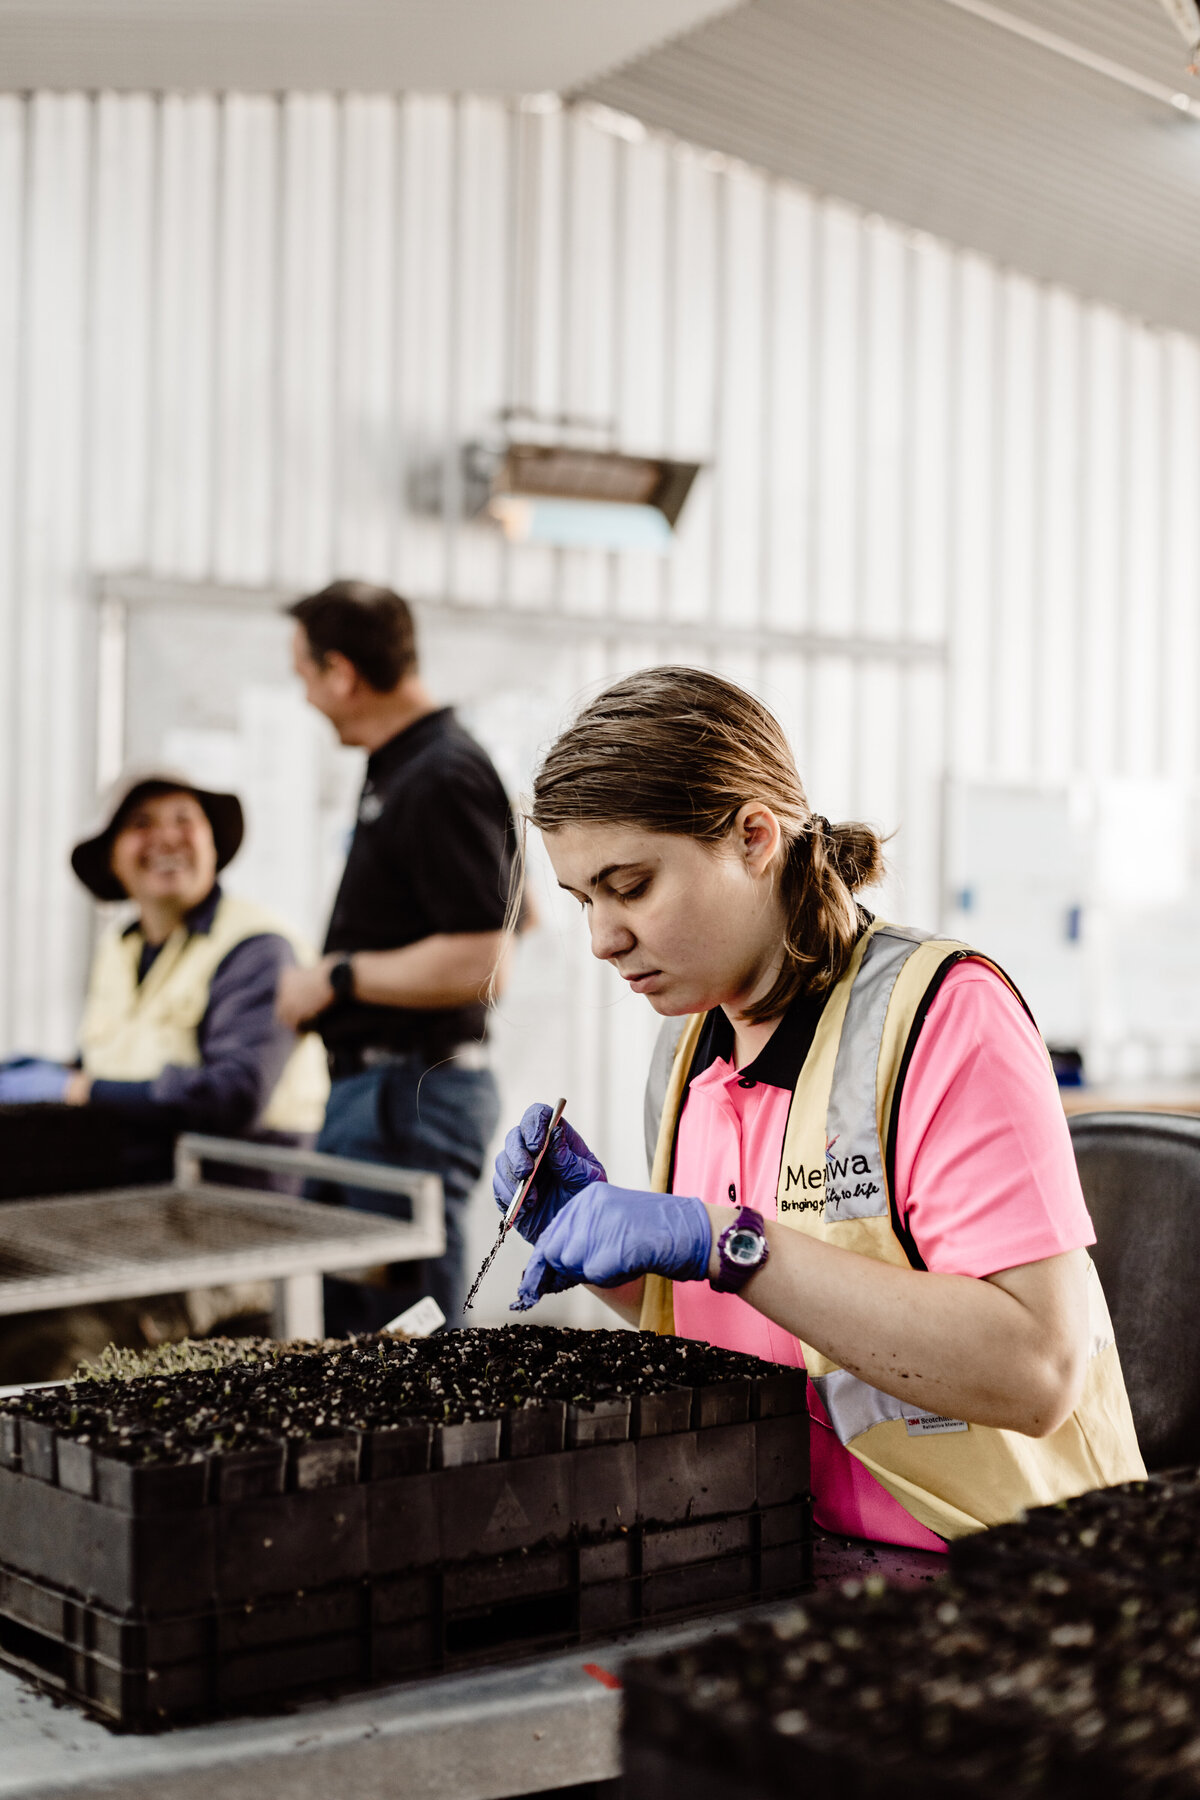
{"x": 855, "y": 1187}
{"x": 853, "y": 1407}
{"x": 657, "y": 1082}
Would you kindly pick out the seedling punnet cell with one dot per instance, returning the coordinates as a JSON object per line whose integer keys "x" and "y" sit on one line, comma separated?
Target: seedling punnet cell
{"x": 178, "y": 1541}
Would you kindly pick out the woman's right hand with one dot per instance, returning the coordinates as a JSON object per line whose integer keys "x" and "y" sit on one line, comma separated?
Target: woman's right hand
{"x": 566, "y": 1169}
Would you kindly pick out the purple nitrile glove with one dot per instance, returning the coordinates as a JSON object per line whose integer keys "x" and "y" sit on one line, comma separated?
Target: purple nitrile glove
{"x": 567, "y": 1168}
{"x": 31, "y": 1080}
{"x": 608, "y": 1235}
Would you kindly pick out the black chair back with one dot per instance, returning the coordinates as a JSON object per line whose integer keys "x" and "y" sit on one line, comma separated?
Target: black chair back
{"x": 1141, "y": 1179}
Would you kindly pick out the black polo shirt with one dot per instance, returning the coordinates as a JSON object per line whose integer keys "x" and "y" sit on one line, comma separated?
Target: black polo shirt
{"x": 432, "y": 852}
{"x": 778, "y": 1063}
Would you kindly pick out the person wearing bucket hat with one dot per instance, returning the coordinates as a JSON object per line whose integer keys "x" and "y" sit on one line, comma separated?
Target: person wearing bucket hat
{"x": 179, "y": 1029}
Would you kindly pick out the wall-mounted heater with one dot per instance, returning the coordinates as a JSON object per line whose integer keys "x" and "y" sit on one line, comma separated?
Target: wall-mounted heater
{"x": 578, "y": 498}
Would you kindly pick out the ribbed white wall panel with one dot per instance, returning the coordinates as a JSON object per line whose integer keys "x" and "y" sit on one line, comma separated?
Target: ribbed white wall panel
{"x": 243, "y": 339}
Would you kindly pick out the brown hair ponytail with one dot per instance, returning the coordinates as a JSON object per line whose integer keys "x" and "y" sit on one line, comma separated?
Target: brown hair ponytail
{"x": 681, "y": 751}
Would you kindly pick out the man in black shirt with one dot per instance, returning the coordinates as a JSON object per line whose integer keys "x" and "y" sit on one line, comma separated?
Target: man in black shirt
{"x": 413, "y": 939}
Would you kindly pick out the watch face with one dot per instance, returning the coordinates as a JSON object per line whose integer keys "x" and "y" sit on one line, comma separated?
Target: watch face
{"x": 744, "y": 1248}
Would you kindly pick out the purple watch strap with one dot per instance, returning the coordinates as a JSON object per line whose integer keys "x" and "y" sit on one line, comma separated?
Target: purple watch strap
{"x": 732, "y": 1276}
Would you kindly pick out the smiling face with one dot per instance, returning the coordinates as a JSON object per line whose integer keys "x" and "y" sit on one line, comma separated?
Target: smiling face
{"x": 689, "y": 925}
{"x": 164, "y": 853}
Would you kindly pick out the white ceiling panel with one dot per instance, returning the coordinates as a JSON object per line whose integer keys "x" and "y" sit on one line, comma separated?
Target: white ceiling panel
{"x": 452, "y": 46}
{"x": 1041, "y": 132}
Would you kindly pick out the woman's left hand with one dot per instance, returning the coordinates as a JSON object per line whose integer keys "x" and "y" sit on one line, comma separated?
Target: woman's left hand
{"x": 609, "y": 1235}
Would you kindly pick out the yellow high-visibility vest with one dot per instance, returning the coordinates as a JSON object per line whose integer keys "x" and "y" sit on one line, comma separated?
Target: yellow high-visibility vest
{"x": 953, "y": 1476}
{"x": 133, "y": 1030}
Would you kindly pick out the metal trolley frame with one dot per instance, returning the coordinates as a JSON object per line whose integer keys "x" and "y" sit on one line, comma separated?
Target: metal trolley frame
{"x": 192, "y": 1232}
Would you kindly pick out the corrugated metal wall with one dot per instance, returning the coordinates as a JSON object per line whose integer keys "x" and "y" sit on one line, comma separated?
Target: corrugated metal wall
{"x": 241, "y": 337}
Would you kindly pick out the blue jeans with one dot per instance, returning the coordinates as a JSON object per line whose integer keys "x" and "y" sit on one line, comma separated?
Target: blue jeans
{"x": 440, "y": 1119}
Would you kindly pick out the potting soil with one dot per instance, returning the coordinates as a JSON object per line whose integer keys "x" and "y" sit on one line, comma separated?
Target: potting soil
{"x": 368, "y": 1383}
{"x": 1037, "y": 1685}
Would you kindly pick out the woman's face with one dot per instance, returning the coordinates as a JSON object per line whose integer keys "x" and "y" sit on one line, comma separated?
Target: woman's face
{"x": 690, "y": 926}
{"x": 165, "y": 852}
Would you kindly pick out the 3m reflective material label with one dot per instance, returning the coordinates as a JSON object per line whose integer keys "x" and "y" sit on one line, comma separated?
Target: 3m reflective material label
{"x": 931, "y": 1424}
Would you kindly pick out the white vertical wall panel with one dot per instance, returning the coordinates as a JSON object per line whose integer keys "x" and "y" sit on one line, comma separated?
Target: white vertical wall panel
{"x": 932, "y": 393}
{"x": 486, "y": 255}
{"x": 838, "y": 466}
{"x": 692, "y": 353}
{"x": 640, "y": 342}
{"x": 310, "y": 230}
{"x": 1102, "y": 534}
{"x": 1014, "y": 626}
{"x": 118, "y": 327}
{"x": 244, "y": 339}
{"x": 1056, "y": 667}
{"x": 737, "y": 450}
{"x": 787, "y": 406}
{"x": 971, "y": 519}
{"x": 182, "y": 343}
{"x": 50, "y": 600}
{"x": 13, "y": 364}
{"x": 365, "y": 464}
{"x": 1142, "y": 648}
{"x": 246, "y": 275}
{"x": 1180, "y": 555}
{"x": 884, "y": 473}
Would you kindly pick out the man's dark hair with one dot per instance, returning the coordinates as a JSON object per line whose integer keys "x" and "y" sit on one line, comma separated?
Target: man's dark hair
{"x": 370, "y": 626}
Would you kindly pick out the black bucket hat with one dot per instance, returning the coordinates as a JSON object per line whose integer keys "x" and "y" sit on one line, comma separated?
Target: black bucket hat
{"x": 90, "y": 858}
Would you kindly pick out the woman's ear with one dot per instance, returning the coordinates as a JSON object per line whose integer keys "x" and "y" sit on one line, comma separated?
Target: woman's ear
{"x": 758, "y": 836}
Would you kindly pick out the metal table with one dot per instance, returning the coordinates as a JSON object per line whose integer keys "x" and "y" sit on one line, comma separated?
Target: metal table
{"x": 545, "y": 1723}
{"x": 122, "y": 1243}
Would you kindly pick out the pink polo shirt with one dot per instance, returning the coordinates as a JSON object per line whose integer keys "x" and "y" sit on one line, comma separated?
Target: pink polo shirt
{"x": 985, "y": 1177}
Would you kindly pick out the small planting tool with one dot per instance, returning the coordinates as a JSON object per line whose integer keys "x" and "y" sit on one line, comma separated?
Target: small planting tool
{"x": 515, "y": 1205}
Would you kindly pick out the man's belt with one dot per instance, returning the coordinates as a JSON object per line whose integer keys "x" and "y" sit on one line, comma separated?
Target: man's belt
{"x": 356, "y": 1061}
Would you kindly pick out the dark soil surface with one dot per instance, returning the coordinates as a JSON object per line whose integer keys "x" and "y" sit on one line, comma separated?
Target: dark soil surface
{"x": 370, "y": 1382}
{"x": 1143, "y": 1531}
{"x": 1046, "y": 1683}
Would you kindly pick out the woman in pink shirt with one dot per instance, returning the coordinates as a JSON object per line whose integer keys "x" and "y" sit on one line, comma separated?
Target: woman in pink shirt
{"x": 862, "y": 1163}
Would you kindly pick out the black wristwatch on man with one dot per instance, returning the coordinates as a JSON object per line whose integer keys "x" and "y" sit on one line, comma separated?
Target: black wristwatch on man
{"x": 341, "y": 978}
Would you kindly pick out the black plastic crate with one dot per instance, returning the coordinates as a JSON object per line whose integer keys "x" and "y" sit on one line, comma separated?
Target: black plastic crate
{"x": 57, "y": 1149}
{"x": 143, "y": 1673}
{"x": 161, "y": 1562}
{"x": 464, "y": 1540}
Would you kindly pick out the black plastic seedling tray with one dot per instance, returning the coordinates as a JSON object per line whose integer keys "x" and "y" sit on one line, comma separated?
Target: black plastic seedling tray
{"x": 57, "y": 1149}
{"x": 1144, "y": 1534}
{"x": 143, "y": 1672}
{"x": 1042, "y": 1684}
{"x": 448, "y": 1542}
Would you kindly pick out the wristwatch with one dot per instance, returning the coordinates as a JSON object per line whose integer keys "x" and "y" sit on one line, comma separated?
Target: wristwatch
{"x": 743, "y": 1250}
{"x": 341, "y": 978}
